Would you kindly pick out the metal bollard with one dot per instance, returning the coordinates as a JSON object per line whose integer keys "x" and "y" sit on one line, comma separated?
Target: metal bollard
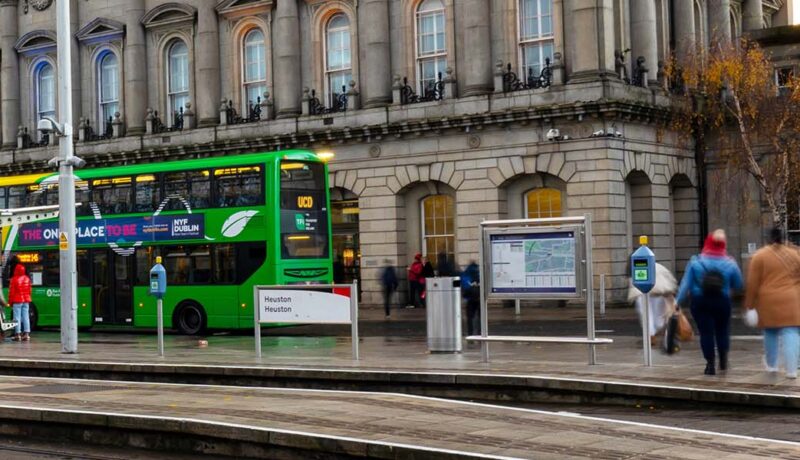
{"x": 603, "y": 295}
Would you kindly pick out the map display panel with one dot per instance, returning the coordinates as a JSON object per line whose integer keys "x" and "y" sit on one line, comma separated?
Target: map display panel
{"x": 534, "y": 263}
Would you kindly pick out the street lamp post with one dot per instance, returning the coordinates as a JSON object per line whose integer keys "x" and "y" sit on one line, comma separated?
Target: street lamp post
{"x": 66, "y": 185}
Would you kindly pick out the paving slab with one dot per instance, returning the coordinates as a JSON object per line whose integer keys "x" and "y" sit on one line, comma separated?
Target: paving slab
{"x": 335, "y": 421}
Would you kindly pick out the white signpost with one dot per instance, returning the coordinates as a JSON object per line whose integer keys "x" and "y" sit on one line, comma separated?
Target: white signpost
{"x": 311, "y": 304}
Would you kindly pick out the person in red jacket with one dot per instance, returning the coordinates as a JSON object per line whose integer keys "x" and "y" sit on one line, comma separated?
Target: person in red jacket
{"x": 19, "y": 296}
{"x": 416, "y": 282}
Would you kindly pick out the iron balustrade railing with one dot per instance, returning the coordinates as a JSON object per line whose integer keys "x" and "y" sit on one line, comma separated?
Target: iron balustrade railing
{"x": 433, "y": 91}
{"x": 511, "y": 82}
{"x": 160, "y": 127}
{"x": 108, "y": 133}
{"x": 253, "y": 113}
{"x": 338, "y": 103}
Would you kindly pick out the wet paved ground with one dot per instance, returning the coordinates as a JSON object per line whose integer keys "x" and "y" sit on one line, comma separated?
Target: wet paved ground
{"x": 382, "y": 419}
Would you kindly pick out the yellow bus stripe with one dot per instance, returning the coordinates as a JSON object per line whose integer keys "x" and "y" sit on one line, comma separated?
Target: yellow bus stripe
{"x": 23, "y": 180}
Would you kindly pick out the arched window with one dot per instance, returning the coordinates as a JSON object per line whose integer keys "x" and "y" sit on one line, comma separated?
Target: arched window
{"x": 431, "y": 46}
{"x": 108, "y": 88}
{"x": 438, "y": 226}
{"x": 338, "y": 57}
{"x": 45, "y": 80}
{"x": 543, "y": 202}
{"x": 535, "y": 35}
{"x": 177, "y": 78}
{"x": 254, "y": 68}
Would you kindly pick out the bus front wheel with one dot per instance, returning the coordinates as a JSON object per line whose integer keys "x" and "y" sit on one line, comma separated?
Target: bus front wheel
{"x": 190, "y": 319}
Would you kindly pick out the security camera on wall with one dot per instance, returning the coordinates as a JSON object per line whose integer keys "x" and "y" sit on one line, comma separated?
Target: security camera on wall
{"x": 553, "y": 134}
{"x": 45, "y": 126}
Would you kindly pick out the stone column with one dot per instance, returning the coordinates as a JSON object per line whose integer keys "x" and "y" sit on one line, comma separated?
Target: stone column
{"x": 591, "y": 31}
{"x": 684, "y": 27}
{"x": 719, "y": 20}
{"x": 753, "y": 15}
{"x": 207, "y": 91}
{"x": 477, "y": 53}
{"x": 135, "y": 102}
{"x": 643, "y": 29}
{"x": 376, "y": 82}
{"x": 9, "y": 73}
{"x": 286, "y": 38}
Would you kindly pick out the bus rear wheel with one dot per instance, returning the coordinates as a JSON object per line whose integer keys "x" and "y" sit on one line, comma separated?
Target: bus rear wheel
{"x": 33, "y": 315}
{"x": 190, "y": 319}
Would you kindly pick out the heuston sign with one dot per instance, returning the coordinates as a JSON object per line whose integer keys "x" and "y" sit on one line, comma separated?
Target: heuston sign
{"x": 118, "y": 230}
{"x": 308, "y": 306}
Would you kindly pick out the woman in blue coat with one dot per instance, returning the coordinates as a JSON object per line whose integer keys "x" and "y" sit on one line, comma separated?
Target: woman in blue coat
{"x": 708, "y": 284}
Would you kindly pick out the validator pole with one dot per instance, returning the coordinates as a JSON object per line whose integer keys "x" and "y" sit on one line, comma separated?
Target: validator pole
{"x": 66, "y": 185}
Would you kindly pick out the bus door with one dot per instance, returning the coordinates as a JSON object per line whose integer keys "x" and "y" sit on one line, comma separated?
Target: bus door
{"x": 112, "y": 288}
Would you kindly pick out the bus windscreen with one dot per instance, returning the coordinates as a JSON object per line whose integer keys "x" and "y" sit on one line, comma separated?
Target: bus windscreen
{"x": 304, "y": 212}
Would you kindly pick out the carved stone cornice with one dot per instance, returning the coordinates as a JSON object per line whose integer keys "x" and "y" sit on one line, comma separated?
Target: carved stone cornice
{"x": 232, "y": 9}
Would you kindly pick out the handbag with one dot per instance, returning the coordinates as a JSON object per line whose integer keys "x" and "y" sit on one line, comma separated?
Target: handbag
{"x": 685, "y": 331}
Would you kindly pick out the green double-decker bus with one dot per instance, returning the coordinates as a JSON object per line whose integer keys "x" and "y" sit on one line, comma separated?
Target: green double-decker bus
{"x": 221, "y": 226}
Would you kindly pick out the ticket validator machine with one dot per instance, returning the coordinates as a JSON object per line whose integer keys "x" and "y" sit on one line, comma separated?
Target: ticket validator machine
{"x": 158, "y": 289}
{"x": 643, "y": 273}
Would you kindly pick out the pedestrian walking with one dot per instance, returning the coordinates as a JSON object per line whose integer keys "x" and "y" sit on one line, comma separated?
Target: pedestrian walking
{"x": 470, "y": 288}
{"x": 708, "y": 284}
{"x": 773, "y": 289}
{"x": 444, "y": 266}
{"x": 661, "y": 300}
{"x": 415, "y": 281}
{"x": 19, "y": 294}
{"x": 389, "y": 284}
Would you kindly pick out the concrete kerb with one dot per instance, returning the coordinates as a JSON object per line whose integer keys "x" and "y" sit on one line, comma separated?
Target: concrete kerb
{"x": 295, "y": 440}
{"x": 388, "y": 380}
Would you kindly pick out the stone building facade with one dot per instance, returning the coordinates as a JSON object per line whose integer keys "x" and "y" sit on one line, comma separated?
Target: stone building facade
{"x": 441, "y": 113}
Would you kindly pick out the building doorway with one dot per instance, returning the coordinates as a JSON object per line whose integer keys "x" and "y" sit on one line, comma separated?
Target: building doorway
{"x": 346, "y": 249}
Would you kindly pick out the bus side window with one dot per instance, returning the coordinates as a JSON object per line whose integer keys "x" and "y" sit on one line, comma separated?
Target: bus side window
{"x": 35, "y": 196}
{"x": 239, "y": 186}
{"x": 84, "y": 197}
{"x": 147, "y": 193}
{"x": 224, "y": 264}
{"x": 201, "y": 265}
{"x": 3, "y": 204}
{"x": 84, "y": 265}
{"x": 176, "y": 187}
{"x": 16, "y": 197}
{"x": 200, "y": 189}
{"x": 177, "y": 263}
{"x": 249, "y": 258}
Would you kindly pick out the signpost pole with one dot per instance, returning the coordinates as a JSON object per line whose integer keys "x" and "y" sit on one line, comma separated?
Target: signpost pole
{"x": 256, "y": 323}
{"x": 516, "y": 307}
{"x": 648, "y": 350}
{"x": 590, "y": 326}
{"x": 354, "y": 318}
{"x": 160, "y": 309}
{"x": 603, "y": 295}
{"x": 484, "y": 307}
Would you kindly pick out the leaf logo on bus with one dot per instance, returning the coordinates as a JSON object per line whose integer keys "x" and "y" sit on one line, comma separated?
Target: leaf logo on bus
{"x": 235, "y": 224}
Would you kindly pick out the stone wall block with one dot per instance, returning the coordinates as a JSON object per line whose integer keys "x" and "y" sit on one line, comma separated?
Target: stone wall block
{"x": 358, "y": 186}
{"x": 402, "y": 176}
{"x": 424, "y": 173}
{"x": 456, "y": 179}
{"x": 350, "y": 179}
{"x": 413, "y": 173}
{"x": 529, "y": 164}
{"x": 436, "y": 171}
{"x": 567, "y": 171}
{"x": 543, "y": 162}
{"x": 496, "y": 176}
{"x": 517, "y": 165}
{"x": 505, "y": 167}
{"x": 393, "y": 184}
{"x": 556, "y": 163}
{"x": 447, "y": 172}
{"x": 339, "y": 178}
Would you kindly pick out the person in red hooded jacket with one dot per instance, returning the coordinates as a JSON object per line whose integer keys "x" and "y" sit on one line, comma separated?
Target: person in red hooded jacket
{"x": 19, "y": 296}
{"x": 416, "y": 282}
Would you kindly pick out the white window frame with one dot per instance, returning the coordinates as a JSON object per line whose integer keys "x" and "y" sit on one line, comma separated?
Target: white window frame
{"x": 101, "y": 104}
{"x": 438, "y": 57}
{"x": 778, "y": 70}
{"x": 331, "y": 73}
{"x": 539, "y": 40}
{"x": 425, "y": 235}
{"x": 38, "y": 112}
{"x": 250, "y": 84}
{"x": 174, "y": 96}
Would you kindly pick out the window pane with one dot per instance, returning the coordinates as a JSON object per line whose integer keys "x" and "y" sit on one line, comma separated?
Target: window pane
{"x": 176, "y": 188}
{"x": 544, "y": 202}
{"x": 200, "y": 196}
{"x": 46, "y": 83}
{"x": 147, "y": 193}
{"x": 224, "y": 260}
{"x": 178, "y": 68}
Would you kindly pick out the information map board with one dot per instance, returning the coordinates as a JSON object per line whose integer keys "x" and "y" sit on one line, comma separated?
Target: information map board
{"x": 534, "y": 262}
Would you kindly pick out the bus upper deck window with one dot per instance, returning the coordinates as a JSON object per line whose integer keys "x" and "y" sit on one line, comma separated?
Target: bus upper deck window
{"x": 239, "y": 186}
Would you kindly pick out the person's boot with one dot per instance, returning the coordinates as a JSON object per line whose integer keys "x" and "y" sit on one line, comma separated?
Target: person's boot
{"x": 710, "y": 370}
{"x": 17, "y": 337}
{"x": 723, "y": 360}
{"x": 26, "y": 337}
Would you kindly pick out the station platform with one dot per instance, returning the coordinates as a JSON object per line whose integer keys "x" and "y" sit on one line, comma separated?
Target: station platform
{"x": 250, "y": 422}
{"x": 395, "y": 359}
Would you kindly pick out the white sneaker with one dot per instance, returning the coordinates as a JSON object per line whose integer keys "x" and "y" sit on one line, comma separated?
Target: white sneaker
{"x": 767, "y": 367}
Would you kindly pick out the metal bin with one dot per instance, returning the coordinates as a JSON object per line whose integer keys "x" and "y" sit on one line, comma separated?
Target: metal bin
{"x": 443, "y": 299}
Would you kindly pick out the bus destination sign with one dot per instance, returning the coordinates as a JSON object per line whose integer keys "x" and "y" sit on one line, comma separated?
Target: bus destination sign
{"x": 118, "y": 230}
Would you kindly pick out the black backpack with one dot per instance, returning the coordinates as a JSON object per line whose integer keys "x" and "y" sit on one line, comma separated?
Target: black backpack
{"x": 713, "y": 281}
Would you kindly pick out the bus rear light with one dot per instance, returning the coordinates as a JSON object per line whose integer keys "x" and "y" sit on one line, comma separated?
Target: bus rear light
{"x": 83, "y": 305}
{"x": 244, "y": 305}
{"x": 141, "y": 305}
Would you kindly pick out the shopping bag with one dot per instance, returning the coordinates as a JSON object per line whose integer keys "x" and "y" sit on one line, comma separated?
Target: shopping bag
{"x": 685, "y": 332}
{"x": 751, "y": 317}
